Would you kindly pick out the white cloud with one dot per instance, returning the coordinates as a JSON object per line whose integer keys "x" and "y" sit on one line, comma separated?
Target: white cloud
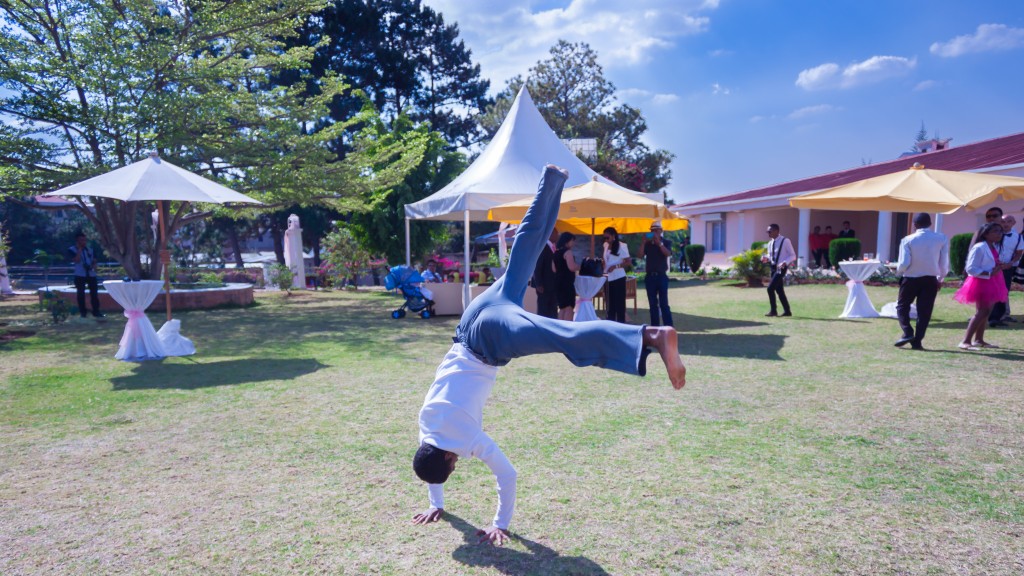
{"x": 818, "y": 77}
{"x": 635, "y": 94}
{"x": 925, "y": 85}
{"x": 720, "y": 52}
{"x": 808, "y": 111}
{"x": 756, "y": 119}
{"x": 717, "y": 88}
{"x": 665, "y": 98}
{"x": 987, "y": 38}
{"x": 507, "y": 37}
{"x": 874, "y": 69}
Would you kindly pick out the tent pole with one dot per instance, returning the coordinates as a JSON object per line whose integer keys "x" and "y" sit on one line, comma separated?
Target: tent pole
{"x": 592, "y": 232}
{"x": 465, "y": 280}
{"x": 408, "y": 254}
{"x": 165, "y": 255}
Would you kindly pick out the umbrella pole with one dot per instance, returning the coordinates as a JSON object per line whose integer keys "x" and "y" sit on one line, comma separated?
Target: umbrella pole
{"x": 165, "y": 255}
{"x": 592, "y": 237}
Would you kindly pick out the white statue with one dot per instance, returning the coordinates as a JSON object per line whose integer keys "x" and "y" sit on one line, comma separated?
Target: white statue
{"x": 5, "y": 281}
{"x": 293, "y": 257}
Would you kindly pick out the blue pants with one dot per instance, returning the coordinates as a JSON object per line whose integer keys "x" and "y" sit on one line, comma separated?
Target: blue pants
{"x": 657, "y": 298}
{"x": 496, "y": 328}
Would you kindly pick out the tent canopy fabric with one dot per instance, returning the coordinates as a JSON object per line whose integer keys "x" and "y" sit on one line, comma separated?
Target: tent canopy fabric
{"x": 916, "y": 190}
{"x": 507, "y": 170}
{"x": 595, "y": 206}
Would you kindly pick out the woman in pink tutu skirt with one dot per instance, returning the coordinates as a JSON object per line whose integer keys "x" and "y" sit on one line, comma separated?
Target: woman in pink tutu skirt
{"x": 984, "y": 286}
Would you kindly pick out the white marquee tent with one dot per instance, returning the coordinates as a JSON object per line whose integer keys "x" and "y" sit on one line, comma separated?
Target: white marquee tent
{"x": 508, "y": 169}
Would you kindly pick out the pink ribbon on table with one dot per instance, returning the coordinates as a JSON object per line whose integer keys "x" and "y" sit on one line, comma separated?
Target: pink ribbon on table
{"x": 582, "y": 299}
{"x": 133, "y": 324}
{"x": 852, "y": 283}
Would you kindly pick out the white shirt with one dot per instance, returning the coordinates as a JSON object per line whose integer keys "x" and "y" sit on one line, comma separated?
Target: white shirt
{"x": 923, "y": 253}
{"x": 452, "y": 419}
{"x": 980, "y": 261}
{"x": 784, "y": 253}
{"x": 1010, "y": 244}
{"x": 616, "y": 260}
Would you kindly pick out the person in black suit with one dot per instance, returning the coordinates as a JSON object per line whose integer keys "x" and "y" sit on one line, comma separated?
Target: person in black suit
{"x": 545, "y": 281}
{"x": 847, "y": 232}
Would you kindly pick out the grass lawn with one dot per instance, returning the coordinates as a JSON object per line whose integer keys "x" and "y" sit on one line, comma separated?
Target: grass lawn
{"x": 806, "y": 446}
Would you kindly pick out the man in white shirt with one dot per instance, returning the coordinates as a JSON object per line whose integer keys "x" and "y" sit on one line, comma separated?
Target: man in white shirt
{"x": 780, "y": 255}
{"x": 493, "y": 330}
{"x": 923, "y": 263}
{"x": 1009, "y": 253}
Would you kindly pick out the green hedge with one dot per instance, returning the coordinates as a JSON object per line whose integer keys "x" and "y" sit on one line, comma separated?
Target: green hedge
{"x": 758, "y": 245}
{"x": 843, "y": 249}
{"x": 694, "y": 256}
{"x": 959, "y": 246}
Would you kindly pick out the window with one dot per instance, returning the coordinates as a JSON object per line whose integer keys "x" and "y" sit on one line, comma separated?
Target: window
{"x": 716, "y": 236}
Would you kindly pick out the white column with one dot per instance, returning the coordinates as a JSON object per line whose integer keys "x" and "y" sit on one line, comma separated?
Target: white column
{"x": 804, "y": 230}
{"x": 884, "y": 236}
{"x": 465, "y": 279}
{"x": 408, "y": 252}
{"x": 742, "y": 232}
{"x": 938, "y": 222}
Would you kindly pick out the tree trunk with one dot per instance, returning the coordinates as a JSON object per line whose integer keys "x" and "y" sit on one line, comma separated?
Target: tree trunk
{"x": 278, "y": 236}
{"x": 236, "y": 245}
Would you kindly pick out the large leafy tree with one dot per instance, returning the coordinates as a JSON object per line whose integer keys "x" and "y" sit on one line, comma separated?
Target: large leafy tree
{"x": 91, "y": 85}
{"x": 405, "y": 58}
{"x": 577, "y": 101}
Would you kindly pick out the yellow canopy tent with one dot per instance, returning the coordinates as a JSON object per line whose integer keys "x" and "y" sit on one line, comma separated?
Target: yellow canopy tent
{"x": 916, "y": 190}
{"x": 590, "y": 208}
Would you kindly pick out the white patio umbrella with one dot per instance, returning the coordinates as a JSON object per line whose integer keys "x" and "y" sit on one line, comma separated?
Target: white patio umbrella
{"x": 153, "y": 179}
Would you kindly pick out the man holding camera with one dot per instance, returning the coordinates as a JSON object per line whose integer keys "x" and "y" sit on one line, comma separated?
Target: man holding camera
{"x": 84, "y": 262}
{"x": 779, "y": 254}
{"x": 657, "y": 255}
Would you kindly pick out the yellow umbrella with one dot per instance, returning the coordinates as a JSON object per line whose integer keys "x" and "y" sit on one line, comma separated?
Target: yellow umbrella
{"x": 916, "y": 190}
{"x": 588, "y": 208}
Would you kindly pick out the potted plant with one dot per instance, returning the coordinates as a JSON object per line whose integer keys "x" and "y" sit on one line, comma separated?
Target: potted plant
{"x": 748, "y": 265}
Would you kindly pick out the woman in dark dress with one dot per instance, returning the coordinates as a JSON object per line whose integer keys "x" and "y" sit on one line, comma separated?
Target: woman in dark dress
{"x": 565, "y": 275}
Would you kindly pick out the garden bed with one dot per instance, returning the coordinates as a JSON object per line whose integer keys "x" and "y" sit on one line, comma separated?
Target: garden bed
{"x": 200, "y": 297}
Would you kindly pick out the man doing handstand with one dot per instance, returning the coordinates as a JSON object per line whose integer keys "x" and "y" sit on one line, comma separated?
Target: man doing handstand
{"x": 494, "y": 329}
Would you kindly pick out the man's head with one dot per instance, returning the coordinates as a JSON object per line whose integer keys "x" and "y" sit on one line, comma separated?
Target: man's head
{"x": 828, "y": 229}
{"x": 431, "y": 264}
{"x": 432, "y": 464}
{"x": 80, "y": 240}
{"x": 817, "y": 229}
{"x": 656, "y": 228}
{"x": 922, "y": 220}
{"x": 773, "y": 231}
{"x": 846, "y": 224}
{"x": 993, "y": 214}
{"x": 1008, "y": 222}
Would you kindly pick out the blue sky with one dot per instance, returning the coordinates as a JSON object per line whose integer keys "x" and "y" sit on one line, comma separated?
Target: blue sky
{"x": 749, "y": 93}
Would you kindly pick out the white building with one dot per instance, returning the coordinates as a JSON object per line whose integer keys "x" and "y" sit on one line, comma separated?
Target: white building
{"x": 727, "y": 225}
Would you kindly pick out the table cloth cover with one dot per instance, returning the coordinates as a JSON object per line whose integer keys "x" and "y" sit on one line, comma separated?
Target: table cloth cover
{"x": 858, "y": 305}
{"x": 173, "y": 342}
{"x": 889, "y": 311}
{"x": 139, "y": 341}
{"x": 586, "y": 288}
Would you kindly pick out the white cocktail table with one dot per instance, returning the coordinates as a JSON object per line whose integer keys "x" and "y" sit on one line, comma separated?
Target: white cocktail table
{"x": 858, "y": 304}
{"x": 139, "y": 341}
{"x": 586, "y": 288}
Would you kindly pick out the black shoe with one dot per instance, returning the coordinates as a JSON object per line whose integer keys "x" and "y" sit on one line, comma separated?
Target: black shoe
{"x": 903, "y": 341}
{"x": 787, "y": 313}
{"x": 1010, "y": 319}
{"x": 771, "y": 314}
{"x": 917, "y": 346}
{"x": 996, "y": 324}
{"x": 99, "y": 314}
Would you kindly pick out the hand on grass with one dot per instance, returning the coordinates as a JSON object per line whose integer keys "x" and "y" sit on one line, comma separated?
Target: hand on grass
{"x": 431, "y": 515}
{"x": 493, "y": 534}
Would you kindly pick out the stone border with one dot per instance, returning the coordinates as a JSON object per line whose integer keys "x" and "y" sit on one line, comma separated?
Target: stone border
{"x": 197, "y": 299}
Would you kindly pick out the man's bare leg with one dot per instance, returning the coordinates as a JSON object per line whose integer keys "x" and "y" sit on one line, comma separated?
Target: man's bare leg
{"x": 665, "y": 340}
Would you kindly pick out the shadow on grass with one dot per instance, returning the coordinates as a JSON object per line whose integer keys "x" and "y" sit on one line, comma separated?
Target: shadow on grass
{"x": 157, "y": 375}
{"x": 538, "y": 560}
{"x": 690, "y": 323}
{"x": 757, "y": 346}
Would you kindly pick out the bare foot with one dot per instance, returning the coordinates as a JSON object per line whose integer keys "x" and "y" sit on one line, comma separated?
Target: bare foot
{"x": 665, "y": 340}
{"x": 562, "y": 170}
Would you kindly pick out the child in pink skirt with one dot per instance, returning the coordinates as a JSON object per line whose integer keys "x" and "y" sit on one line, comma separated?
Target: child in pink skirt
{"x": 984, "y": 285}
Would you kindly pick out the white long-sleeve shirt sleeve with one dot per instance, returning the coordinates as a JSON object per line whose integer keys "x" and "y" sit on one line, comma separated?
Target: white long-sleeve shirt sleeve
{"x": 505, "y": 475}
{"x": 436, "y": 494}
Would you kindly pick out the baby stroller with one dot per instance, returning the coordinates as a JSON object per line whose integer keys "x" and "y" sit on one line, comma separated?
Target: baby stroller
{"x": 406, "y": 279}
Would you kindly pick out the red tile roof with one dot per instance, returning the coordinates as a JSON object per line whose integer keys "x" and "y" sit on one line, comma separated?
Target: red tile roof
{"x": 1003, "y": 151}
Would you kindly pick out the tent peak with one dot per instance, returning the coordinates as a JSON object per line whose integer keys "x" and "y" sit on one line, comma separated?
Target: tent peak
{"x": 154, "y": 156}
